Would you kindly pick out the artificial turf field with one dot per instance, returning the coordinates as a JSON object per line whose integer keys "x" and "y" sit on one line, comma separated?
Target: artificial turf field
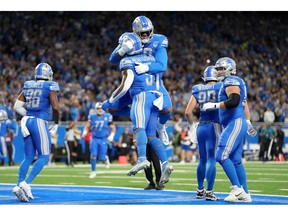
{"x": 62, "y": 185}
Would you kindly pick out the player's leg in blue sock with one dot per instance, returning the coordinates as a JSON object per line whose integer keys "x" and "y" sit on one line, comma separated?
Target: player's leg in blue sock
{"x": 141, "y": 143}
{"x": 230, "y": 171}
{"x": 28, "y": 159}
{"x": 93, "y": 163}
{"x": 37, "y": 167}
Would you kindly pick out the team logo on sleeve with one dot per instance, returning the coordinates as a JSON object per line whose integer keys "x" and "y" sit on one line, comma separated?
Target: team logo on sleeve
{"x": 230, "y": 82}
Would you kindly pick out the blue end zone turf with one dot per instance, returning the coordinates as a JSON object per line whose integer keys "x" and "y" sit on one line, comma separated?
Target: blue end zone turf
{"x": 88, "y": 195}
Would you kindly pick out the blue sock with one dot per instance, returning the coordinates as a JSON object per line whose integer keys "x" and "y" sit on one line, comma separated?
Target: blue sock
{"x": 23, "y": 169}
{"x": 201, "y": 170}
{"x": 230, "y": 171}
{"x": 242, "y": 176}
{"x": 210, "y": 173}
{"x": 37, "y": 167}
{"x": 141, "y": 142}
{"x": 93, "y": 164}
{"x": 163, "y": 118}
{"x": 159, "y": 149}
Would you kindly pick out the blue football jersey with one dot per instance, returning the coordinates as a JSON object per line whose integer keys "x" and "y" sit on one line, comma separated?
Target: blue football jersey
{"x": 207, "y": 93}
{"x": 141, "y": 82}
{"x": 100, "y": 124}
{"x": 237, "y": 112}
{"x": 37, "y": 98}
{"x": 158, "y": 41}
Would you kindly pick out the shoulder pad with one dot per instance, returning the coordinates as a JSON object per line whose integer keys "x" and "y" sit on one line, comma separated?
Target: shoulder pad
{"x": 54, "y": 86}
{"x": 126, "y": 63}
{"x": 161, "y": 40}
{"x": 230, "y": 81}
{"x": 195, "y": 88}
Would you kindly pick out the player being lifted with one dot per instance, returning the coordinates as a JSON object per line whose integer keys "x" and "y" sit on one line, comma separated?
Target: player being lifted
{"x": 153, "y": 45}
{"x": 34, "y": 104}
{"x": 146, "y": 103}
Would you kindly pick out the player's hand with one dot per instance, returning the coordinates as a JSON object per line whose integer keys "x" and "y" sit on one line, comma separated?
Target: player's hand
{"x": 126, "y": 46}
{"x": 251, "y": 131}
{"x": 141, "y": 68}
{"x": 111, "y": 137}
{"x": 210, "y": 106}
{"x": 53, "y": 128}
{"x": 105, "y": 105}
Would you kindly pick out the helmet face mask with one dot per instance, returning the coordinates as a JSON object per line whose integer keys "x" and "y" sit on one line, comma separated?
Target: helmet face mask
{"x": 210, "y": 74}
{"x": 143, "y": 27}
{"x": 3, "y": 115}
{"x": 43, "y": 71}
{"x": 225, "y": 67}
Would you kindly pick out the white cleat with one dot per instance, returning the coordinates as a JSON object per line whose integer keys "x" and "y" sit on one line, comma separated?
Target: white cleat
{"x": 238, "y": 195}
{"x": 20, "y": 194}
{"x": 139, "y": 166}
{"x": 163, "y": 136}
{"x": 92, "y": 174}
{"x": 168, "y": 169}
{"x": 27, "y": 189}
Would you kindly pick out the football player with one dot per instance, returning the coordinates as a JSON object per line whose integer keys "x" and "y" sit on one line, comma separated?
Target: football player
{"x": 206, "y": 133}
{"x": 153, "y": 45}
{"x": 146, "y": 103}
{"x": 103, "y": 129}
{"x": 231, "y": 105}
{"x": 34, "y": 104}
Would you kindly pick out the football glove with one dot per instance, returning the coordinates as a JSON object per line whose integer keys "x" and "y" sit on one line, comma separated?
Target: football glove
{"x": 141, "y": 68}
{"x": 210, "y": 106}
{"x": 111, "y": 137}
{"x": 251, "y": 131}
{"x": 53, "y": 128}
{"x": 126, "y": 46}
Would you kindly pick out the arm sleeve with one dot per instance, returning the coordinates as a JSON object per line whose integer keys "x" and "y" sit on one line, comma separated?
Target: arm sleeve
{"x": 19, "y": 107}
{"x": 160, "y": 64}
{"x": 114, "y": 57}
{"x": 123, "y": 88}
{"x": 232, "y": 101}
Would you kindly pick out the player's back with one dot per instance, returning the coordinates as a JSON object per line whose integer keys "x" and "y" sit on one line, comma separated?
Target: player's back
{"x": 207, "y": 93}
{"x": 141, "y": 82}
{"x": 100, "y": 124}
{"x": 37, "y": 95}
{"x": 238, "y": 112}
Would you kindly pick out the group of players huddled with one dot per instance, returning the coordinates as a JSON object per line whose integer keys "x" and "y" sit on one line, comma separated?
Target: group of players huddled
{"x": 142, "y": 57}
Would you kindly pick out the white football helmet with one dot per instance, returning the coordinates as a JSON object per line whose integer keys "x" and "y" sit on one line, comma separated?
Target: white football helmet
{"x": 143, "y": 27}
{"x": 43, "y": 71}
{"x": 98, "y": 109}
{"x": 210, "y": 74}
{"x": 225, "y": 66}
{"x": 3, "y": 115}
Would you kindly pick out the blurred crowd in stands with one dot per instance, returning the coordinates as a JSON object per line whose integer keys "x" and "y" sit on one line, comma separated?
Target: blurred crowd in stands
{"x": 78, "y": 44}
